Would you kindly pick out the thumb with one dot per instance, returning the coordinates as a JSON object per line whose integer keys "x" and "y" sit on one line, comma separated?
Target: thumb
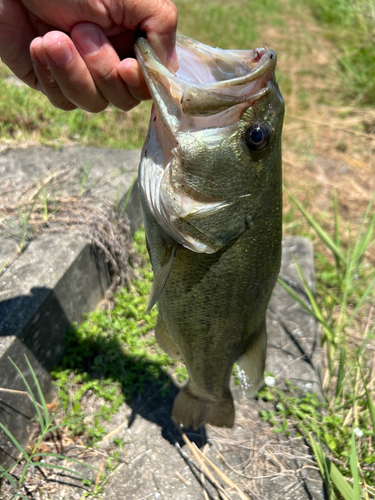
{"x": 160, "y": 29}
{"x": 16, "y": 34}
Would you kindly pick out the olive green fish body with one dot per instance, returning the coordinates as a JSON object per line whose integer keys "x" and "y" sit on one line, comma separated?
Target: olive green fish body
{"x": 212, "y": 206}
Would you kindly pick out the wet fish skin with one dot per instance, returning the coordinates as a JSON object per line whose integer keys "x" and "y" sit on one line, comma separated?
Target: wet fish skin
{"x": 215, "y": 208}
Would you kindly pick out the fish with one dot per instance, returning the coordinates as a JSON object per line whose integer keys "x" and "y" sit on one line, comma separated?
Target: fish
{"x": 211, "y": 195}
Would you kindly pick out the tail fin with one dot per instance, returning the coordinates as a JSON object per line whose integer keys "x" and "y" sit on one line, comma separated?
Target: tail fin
{"x": 188, "y": 409}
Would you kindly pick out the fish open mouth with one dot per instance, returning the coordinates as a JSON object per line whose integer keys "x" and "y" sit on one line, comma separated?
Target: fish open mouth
{"x": 209, "y": 80}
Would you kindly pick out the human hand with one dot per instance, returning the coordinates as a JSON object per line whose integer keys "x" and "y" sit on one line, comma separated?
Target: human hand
{"x": 85, "y": 69}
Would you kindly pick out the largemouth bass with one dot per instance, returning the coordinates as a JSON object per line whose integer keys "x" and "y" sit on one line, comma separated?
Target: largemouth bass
{"x": 210, "y": 188}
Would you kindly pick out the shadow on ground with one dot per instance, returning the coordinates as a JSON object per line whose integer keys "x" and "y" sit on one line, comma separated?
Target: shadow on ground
{"x": 147, "y": 388}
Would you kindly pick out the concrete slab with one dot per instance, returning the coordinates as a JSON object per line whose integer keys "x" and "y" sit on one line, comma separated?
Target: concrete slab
{"x": 58, "y": 277}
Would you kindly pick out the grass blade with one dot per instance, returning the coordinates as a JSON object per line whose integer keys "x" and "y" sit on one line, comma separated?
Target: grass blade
{"x": 340, "y": 376}
{"x": 15, "y": 442}
{"x": 354, "y": 469}
{"x": 28, "y": 388}
{"x": 296, "y": 297}
{"x": 322, "y": 464}
{"x": 360, "y": 302}
{"x": 336, "y": 237}
{"x": 63, "y": 457}
{"x": 370, "y": 404}
{"x": 317, "y": 312}
{"x": 57, "y": 467}
{"x": 362, "y": 244}
{"x": 334, "y": 474}
{"x": 318, "y": 229}
{"x": 7, "y": 476}
{"x": 39, "y": 389}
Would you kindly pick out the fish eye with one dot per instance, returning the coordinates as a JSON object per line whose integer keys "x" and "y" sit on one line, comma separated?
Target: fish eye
{"x": 257, "y": 137}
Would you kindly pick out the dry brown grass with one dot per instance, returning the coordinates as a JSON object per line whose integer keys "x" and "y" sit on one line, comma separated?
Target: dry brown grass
{"x": 327, "y": 145}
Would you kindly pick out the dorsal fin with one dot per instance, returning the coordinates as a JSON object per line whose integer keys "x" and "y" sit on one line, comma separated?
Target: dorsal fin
{"x": 161, "y": 275}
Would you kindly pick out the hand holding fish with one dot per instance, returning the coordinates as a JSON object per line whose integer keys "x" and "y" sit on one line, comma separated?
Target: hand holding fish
{"x": 89, "y": 62}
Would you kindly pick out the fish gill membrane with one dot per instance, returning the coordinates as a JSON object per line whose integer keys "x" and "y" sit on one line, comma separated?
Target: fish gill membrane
{"x": 210, "y": 189}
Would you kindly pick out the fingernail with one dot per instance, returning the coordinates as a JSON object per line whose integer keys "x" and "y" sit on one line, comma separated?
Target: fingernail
{"x": 60, "y": 53}
{"x": 90, "y": 39}
{"x": 36, "y": 52}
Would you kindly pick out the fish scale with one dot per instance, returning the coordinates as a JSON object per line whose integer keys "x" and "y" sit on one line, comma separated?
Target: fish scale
{"x": 210, "y": 188}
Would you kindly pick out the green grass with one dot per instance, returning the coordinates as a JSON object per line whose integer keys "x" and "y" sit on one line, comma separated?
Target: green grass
{"x": 27, "y": 115}
{"x": 350, "y": 25}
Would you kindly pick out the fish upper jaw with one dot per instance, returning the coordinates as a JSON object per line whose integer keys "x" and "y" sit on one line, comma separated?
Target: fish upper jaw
{"x": 223, "y": 79}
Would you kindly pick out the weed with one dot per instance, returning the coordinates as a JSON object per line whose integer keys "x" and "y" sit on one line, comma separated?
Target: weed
{"x": 33, "y": 458}
{"x": 344, "y": 423}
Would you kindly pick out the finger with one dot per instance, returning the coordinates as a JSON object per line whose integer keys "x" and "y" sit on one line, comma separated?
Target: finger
{"x": 71, "y": 73}
{"x": 160, "y": 26}
{"x": 130, "y": 72}
{"x": 102, "y": 61}
{"x": 46, "y": 82}
{"x": 16, "y": 32}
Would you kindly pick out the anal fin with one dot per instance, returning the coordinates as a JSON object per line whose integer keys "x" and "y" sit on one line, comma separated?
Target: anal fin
{"x": 250, "y": 366}
{"x": 165, "y": 342}
{"x": 161, "y": 275}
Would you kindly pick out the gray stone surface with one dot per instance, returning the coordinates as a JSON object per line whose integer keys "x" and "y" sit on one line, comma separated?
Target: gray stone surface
{"x": 57, "y": 278}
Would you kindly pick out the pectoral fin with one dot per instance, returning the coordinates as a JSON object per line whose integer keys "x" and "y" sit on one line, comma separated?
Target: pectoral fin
{"x": 161, "y": 275}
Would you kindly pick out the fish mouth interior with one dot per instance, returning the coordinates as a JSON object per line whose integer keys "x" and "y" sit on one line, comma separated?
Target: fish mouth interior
{"x": 203, "y": 65}
{"x": 209, "y": 81}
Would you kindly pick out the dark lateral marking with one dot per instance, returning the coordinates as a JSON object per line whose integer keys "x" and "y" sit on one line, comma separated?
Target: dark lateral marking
{"x": 145, "y": 153}
{"x": 271, "y": 56}
{"x": 154, "y": 118}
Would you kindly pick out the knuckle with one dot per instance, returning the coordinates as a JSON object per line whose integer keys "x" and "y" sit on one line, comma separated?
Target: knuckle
{"x": 61, "y": 103}
{"x": 95, "y": 107}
